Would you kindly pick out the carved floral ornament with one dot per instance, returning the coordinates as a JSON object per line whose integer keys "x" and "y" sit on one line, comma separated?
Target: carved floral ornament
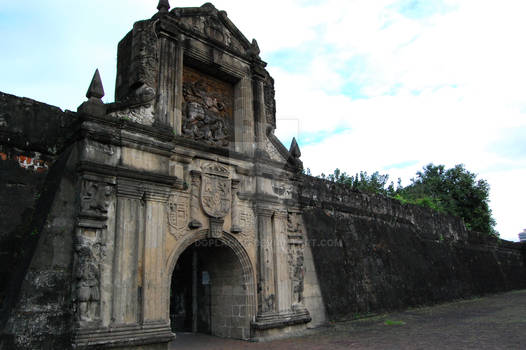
{"x": 95, "y": 198}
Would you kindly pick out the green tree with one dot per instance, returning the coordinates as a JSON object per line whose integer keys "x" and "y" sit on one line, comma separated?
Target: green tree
{"x": 374, "y": 183}
{"x": 455, "y": 191}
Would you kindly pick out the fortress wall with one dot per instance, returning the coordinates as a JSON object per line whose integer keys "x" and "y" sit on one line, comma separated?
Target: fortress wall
{"x": 373, "y": 253}
{"x": 33, "y": 135}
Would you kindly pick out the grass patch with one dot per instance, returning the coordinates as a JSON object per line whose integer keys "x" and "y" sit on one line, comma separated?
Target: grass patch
{"x": 393, "y": 323}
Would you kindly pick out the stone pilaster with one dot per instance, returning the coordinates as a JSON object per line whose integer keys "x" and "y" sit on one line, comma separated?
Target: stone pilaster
{"x": 166, "y": 92}
{"x": 153, "y": 265}
{"x": 244, "y": 117}
{"x": 96, "y": 195}
{"x": 177, "y": 122}
{"x": 266, "y": 280}
{"x": 236, "y": 226}
{"x": 194, "y": 199}
{"x": 259, "y": 111}
{"x": 128, "y": 236}
{"x": 283, "y": 285}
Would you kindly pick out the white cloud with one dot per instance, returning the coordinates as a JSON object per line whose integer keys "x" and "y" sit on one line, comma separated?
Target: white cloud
{"x": 443, "y": 89}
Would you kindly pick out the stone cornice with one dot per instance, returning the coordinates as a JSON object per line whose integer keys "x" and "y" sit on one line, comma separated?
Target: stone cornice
{"x": 123, "y": 172}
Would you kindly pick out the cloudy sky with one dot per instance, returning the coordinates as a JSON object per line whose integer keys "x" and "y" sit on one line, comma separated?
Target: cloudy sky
{"x": 363, "y": 84}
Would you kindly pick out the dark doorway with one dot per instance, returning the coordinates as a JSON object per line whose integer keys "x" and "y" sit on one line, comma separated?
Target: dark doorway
{"x": 208, "y": 293}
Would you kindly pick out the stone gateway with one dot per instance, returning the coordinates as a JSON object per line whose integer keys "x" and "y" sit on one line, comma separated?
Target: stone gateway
{"x": 176, "y": 209}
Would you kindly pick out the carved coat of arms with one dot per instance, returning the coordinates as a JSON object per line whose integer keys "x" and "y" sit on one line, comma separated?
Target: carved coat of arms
{"x": 216, "y": 195}
{"x": 177, "y": 213}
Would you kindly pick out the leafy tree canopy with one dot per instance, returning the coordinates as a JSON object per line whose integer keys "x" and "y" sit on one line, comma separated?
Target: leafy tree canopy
{"x": 455, "y": 191}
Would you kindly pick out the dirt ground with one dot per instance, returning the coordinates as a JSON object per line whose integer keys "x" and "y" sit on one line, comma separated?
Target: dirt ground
{"x": 494, "y": 322}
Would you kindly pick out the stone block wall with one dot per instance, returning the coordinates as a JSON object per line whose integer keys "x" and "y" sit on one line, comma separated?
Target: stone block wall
{"x": 228, "y": 314}
{"x": 32, "y": 136}
{"x": 373, "y": 253}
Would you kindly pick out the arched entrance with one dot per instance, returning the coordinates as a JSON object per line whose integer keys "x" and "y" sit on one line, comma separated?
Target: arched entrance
{"x": 212, "y": 289}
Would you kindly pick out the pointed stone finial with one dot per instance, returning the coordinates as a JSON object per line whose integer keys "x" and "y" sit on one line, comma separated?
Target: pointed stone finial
{"x": 95, "y": 89}
{"x": 164, "y": 6}
{"x": 94, "y": 104}
{"x": 294, "y": 149}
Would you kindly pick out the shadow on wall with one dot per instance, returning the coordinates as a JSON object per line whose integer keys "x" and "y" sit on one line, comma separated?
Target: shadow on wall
{"x": 388, "y": 258}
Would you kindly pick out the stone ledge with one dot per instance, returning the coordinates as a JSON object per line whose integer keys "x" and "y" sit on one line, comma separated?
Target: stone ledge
{"x": 119, "y": 171}
{"x": 123, "y": 336}
{"x": 279, "y": 320}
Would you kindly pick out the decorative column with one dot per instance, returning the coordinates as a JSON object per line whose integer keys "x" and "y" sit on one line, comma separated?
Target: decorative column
{"x": 194, "y": 199}
{"x": 95, "y": 196}
{"x": 259, "y": 109}
{"x": 129, "y": 238}
{"x": 236, "y": 227}
{"x": 166, "y": 93}
{"x": 244, "y": 117}
{"x": 283, "y": 282}
{"x": 178, "y": 91}
{"x": 153, "y": 258}
{"x": 266, "y": 280}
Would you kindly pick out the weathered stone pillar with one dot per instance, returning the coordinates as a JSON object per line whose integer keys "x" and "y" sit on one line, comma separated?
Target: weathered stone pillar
{"x": 91, "y": 266}
{"x": 244, "y": 117}
{"x": 236, "y": 227}
{"x": 266, "y": 280}
{"x": 194, "y": 199}
{"x": 153, "y": 261}
{"x": 259, "y": 110}
{"x": 129, "y": 231}
{"x": 177, "y": 122}
{"x": 283, "y": 279}
{"x": 166, "y": 92}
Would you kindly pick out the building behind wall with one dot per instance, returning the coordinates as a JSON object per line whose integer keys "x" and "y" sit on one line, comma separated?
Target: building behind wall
{"x": 522, "y": 236}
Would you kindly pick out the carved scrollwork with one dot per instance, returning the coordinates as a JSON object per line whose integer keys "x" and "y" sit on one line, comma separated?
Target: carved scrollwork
{"x": 296, "y": 255}
{"x": 87, "y": 275}
{"x": 95, "y": 199}
{"x": 216, "y": 197}
{"x": 247, "y": 221}
{"x": 178, "y": 214}
{"x": 137, "y": 107}
{"x": 270, "y": 101}
{"x": 207, "y": 108}
{"x": 296, "y": 270}
{"x": 294, "y": 222}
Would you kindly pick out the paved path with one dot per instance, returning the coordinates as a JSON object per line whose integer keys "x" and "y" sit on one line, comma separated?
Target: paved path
{"x": 495, "y": 322}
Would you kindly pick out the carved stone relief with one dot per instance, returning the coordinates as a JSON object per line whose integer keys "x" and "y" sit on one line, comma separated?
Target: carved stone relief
{"x": 247, "y": 221}
{"x": 270, "y": 101}
{"x": 296, "y": 263}
{"x": 87, "y": 275}
{"x": 95, "y": 197}
{"x": 272, "y": 151}
{"x": 207, "y": 108}
{"x": 138, "y": 107}
{"x": 296, "y": 256}
{"x": 212, "y": 27}
{"x": 178, "y": 214}
{"x": 294, "y": 223}
{"x": 216, "y": 197}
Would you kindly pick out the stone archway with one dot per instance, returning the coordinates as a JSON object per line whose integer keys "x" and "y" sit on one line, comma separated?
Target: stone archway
{"x": 211, "y": 287}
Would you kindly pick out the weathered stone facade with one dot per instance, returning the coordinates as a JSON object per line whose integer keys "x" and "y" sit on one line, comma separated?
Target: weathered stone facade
{"x": 174, "y": 208}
